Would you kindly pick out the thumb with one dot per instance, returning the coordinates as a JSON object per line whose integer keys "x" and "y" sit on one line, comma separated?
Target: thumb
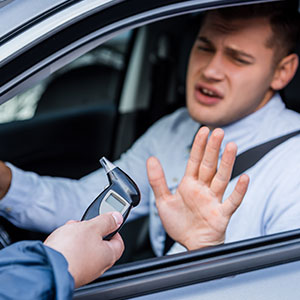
{"x": 157, "y": 178}
{"x": 107, "y": 223}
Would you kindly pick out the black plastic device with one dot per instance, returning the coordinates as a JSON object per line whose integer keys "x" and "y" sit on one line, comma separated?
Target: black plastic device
{"x": 121, "y": 195}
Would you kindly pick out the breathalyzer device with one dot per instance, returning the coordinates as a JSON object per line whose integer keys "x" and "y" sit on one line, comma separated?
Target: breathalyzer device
{"x": 120, "y": 195}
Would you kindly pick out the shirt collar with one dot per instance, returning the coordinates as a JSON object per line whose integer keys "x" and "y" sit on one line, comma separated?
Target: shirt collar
{"x": 251, "y": 130}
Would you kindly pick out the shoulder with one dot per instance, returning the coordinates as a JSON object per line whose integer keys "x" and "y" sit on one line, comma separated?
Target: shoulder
{"x": 290, "y": 118}
{"x": 277, "y": 123}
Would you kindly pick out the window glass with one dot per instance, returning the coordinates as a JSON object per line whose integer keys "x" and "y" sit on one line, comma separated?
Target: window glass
{"x": 67, "y": 116}
{"x": 92, "y": 79}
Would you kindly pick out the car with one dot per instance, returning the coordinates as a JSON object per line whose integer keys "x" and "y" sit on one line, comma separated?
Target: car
{"x": 84, "y": 79}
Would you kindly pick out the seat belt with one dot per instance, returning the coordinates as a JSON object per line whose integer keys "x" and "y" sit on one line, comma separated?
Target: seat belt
{"x": 245, "y": 161}
{"x": 249, "y": 158}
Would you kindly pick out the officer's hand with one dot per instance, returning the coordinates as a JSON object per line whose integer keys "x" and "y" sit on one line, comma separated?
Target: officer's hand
{"x": 83, "y": 246}
{"x": 195, "y": 215}
{"x": 5, "y": 179}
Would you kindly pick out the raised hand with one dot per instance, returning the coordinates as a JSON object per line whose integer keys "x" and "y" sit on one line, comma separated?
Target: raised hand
{"x": 195, "y": 215}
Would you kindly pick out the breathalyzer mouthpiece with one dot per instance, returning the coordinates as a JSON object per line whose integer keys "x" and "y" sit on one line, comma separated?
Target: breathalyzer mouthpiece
{"x": 107, "y": 165}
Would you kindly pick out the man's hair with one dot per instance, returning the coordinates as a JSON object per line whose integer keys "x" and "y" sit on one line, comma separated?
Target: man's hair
{"x": 283, "y": 17}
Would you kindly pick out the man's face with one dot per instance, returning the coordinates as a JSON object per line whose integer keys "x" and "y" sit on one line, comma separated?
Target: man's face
{"x": 230, "y": 71}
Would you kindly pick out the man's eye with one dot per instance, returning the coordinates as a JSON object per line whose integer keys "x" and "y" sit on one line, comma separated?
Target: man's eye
{"x": 241, "y": 61}
{"x": 204, "y": 49}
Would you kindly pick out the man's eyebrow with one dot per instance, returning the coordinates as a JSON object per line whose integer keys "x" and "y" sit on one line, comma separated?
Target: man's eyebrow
{"x": 229, "y": 50}
{"x": 240, "y": 53}
{"x": 204, "y": 40}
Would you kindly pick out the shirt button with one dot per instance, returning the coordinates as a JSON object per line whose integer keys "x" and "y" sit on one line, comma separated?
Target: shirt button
{"x": 175, "y": 179}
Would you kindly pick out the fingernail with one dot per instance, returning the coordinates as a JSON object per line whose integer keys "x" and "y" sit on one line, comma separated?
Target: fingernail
{"x": 118, "y": 218}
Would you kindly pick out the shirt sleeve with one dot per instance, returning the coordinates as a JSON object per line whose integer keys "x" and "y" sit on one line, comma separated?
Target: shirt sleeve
{"x": 31, "y": 270}
{"x": 176, "y": 248}
{"x": 43, "y": 203}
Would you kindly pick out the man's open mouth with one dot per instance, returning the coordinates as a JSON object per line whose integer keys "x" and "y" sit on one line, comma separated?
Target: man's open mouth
{"x": 209, "y": 93}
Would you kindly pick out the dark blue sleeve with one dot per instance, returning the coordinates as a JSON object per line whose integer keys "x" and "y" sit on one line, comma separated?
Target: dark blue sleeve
{"x": 31, "y": 270}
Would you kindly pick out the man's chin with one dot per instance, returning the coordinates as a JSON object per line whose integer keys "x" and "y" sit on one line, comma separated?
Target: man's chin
{"x": 209, "y": 120}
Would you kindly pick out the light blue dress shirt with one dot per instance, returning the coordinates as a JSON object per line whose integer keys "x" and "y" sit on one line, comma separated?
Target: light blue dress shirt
{"x": 272, "y": 202}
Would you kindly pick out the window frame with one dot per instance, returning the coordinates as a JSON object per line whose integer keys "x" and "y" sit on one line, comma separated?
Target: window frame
{"x": 61, "y": 45}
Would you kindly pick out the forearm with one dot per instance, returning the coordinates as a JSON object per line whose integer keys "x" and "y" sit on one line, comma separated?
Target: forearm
{"x": 30, "y": 270}
{"x": 43, "y": 203}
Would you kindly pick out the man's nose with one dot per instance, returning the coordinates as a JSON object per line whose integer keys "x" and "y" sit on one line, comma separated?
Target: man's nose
{"x": 214, "y": 70}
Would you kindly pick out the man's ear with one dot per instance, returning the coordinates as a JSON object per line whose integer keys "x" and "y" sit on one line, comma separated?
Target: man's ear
{"x": 285, "y": 71}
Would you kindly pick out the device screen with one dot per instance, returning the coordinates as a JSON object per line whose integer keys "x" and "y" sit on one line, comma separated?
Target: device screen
{"x": 115, "y": 203}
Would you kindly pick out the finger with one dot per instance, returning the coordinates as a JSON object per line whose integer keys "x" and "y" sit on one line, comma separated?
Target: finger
{"x": 117, "y": 246}
{"x": 111, "y": 252}
{"x": 209, "y": 162}
{"x": 72, "y": 221}
{"x": 106, "y": 223}
{"x": 223, "y": 175}
{"x": 231, "y": 204}
{"x": 157, "y": 178}
{"x": 197, "y": 152}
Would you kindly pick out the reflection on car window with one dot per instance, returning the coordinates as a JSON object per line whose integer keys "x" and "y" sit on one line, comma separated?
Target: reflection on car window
{"x": 92, "y": 79}
{"x": 22, "y": 106}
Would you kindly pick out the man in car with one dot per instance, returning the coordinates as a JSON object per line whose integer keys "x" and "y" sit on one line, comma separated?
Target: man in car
{"x": 240, "y": 60}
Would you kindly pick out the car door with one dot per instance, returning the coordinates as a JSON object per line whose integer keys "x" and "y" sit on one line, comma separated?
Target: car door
{"x": 259, "y": 268}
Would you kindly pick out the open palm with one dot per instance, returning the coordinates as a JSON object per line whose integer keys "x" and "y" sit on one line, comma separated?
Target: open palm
{"x": 195, "y": 215}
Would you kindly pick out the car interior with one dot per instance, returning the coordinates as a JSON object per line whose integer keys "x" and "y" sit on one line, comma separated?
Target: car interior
{"x": 77, "y": 116}
{"x": 81, "y": 113}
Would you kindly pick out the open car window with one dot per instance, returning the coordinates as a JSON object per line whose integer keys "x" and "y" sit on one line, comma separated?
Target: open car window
{"x": 95, "y": 99}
